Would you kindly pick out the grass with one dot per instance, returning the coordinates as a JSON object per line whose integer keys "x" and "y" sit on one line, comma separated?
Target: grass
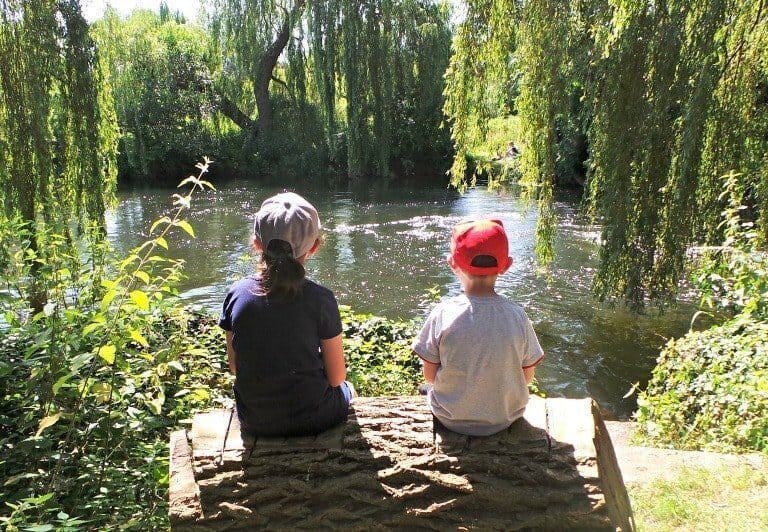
{"x": 733, "y": 499}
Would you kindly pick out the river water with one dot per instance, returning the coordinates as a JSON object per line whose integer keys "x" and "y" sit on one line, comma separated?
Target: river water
{"x": 384, "y": 253}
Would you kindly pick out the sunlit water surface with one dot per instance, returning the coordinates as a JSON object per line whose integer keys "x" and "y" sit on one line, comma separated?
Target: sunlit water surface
{"x": 385, "y": 250}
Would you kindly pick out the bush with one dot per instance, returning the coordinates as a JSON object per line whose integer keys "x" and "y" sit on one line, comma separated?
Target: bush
{"x": 379, "y": 357}
{"x": 710, "y": 390}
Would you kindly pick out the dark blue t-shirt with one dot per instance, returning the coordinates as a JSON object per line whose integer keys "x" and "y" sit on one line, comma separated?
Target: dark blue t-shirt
{"x": 281, "y": 388}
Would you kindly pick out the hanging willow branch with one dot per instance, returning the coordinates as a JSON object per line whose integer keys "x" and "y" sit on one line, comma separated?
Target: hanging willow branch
{"x": 672, "y": 96}
{"x": 57, "y": 121}
{"x": 372, "y": 68}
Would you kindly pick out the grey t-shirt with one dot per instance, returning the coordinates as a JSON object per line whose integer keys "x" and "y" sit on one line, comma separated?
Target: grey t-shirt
{"x": 482, "y": 345}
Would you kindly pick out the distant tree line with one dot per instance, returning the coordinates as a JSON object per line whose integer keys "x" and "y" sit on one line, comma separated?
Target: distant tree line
{"x": 292, "y": 89}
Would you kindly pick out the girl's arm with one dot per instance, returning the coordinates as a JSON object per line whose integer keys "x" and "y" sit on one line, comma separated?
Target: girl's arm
{"x": 430, "y": 370}
{"x": 231, "y": 354}
{"x": 333, "y": 358}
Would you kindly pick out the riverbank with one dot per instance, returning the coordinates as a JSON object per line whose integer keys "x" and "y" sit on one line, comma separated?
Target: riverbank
{"x": 641, "y": 465}
{"x": 691, "y": 490}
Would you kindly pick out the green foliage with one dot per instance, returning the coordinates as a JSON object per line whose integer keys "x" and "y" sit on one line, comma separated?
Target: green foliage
{"x": 660, "y": 101}
{"x": 379, "y": 356}
{"x": 710, "y": 390}
{"x": 94, "y": 380}
{"x": 57, "y": 126}
{"x": 56, "y": 123}
{"x": 360, "y": 89}
{"x": 481, "y": 61}
{"x": 733, "y": 277}
{"x": 160, "y": 71}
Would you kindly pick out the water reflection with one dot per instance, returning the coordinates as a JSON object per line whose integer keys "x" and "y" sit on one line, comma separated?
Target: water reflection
{"x": 385, "y": 248}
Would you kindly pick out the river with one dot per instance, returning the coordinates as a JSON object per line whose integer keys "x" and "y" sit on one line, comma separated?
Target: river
{"x": 384, "y": 253}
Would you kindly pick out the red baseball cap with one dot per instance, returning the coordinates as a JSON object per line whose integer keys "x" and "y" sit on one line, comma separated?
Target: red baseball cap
{"x": 481, "y": 237}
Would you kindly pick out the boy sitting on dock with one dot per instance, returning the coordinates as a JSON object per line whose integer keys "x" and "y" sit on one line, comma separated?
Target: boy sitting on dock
{"x": 478, "y": 349}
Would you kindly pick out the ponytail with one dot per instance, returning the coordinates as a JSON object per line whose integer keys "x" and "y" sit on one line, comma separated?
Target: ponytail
{"x": 282, "y": 276}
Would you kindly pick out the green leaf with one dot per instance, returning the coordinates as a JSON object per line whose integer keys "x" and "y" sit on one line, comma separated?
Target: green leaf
{"x": 190, "y": 179}
{"x": 144, "y": 276}
{"x": 175, "y": 364}
{"x": 140, "y": 299}
{"x": 102, "y": 391}
{"x": 39, "y": 528}
{"x": 188, "y": 228}
{"x": 128, "y": 261}
{"x": 15, "y": 478}
{"x": 163, "y": 220}
{"x": 138, "y": 338}
{"x": 40, "y": 499}
{"x": 156, "y": 404}
{"x": 46, "y": 422}
{"x": 98, "y": 321}
{"x": 61, "y": 383}
{"x": 162, "y": 242}
{"x": 184, "y": 201}
{"x": 107, "y": 352}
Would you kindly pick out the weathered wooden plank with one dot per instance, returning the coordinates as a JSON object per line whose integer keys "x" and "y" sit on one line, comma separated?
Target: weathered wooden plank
{"x": 183, "y": 491}
{"x": 391, "y": 466}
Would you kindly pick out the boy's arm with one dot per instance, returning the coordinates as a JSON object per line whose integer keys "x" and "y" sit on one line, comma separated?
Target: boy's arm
{"x": 231, "y": 354}
{"x": 529, "y": 373}
{"x": 333, "y": 358}
{"x": 430, "y": 370}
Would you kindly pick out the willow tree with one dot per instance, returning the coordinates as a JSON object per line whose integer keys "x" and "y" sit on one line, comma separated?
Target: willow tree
{"x": 672, "y": 97}
{"x": 542, "y": 43}
{"x": 369, "y": 69}
{"x": 483, "y": 56}
{"x": 254, "y": 33}
{"x": 57, "y": 123}
{"x": 680, "y": 103}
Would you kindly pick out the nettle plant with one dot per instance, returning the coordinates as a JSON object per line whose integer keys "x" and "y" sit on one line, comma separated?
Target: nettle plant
{"x": 734, "y": 276}
{"x": 94, "y": 380}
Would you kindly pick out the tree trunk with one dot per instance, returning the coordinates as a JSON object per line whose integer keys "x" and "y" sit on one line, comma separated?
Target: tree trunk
{"x": 228, "y": 108}
{"x": 267, "y": 67}
{"x": 391, "y": 466}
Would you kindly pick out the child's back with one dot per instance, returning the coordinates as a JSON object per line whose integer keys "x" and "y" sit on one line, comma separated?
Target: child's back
{"x": 481, "y": 343}
{"x": 281, "y": 386}
{"x": 284, "y": 341}
{"x": 479, "y": 349}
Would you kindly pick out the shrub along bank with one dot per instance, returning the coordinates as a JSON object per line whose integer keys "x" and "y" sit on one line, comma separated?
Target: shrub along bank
{"x": 710, "y": 390}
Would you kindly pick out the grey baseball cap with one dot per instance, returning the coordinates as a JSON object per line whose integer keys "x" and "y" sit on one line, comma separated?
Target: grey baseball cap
{"x": 289, "y": 217}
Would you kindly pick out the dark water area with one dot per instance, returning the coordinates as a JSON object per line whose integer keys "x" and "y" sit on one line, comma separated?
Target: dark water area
{"x": 384, "y": 253}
